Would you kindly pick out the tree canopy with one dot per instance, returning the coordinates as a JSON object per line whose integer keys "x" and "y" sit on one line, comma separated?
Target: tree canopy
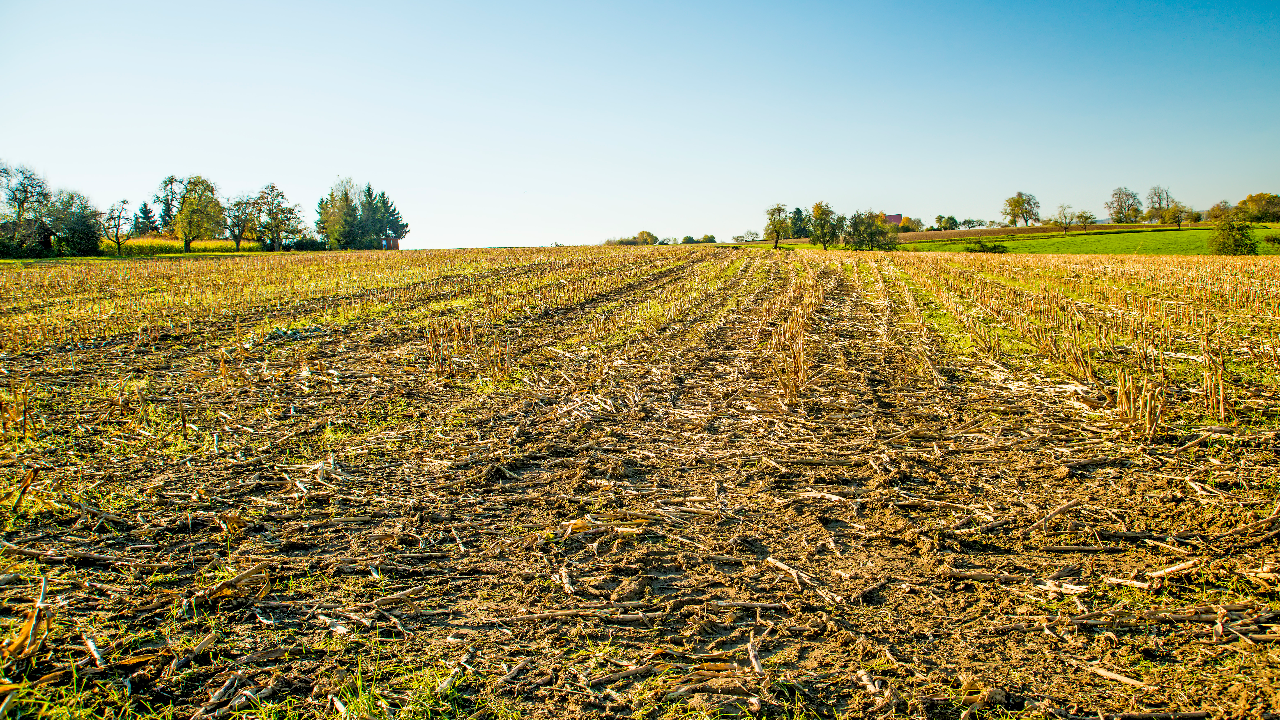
{"x": 1233, "y": 236}
{"x": 25, "y": 194}
{"x": 777, "y": 224}
{"x": 352, "y": 219}
{"x": 1261, "y": 207}
{"x": 200, "y": 213}
{"x": 38, "y": 222}
{"x": 1022, "y": 206}
{"x": 825, "y": 225}
{"x": 1124, "y": 206}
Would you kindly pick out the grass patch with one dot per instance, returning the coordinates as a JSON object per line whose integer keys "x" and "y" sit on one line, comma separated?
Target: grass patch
{"x": 1156, "y": 241}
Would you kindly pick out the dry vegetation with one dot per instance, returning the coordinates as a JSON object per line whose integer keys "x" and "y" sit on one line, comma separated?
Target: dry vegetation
{"x": 640, "y": 482}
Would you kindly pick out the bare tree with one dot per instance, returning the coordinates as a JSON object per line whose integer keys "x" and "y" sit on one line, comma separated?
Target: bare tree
{"x": 113, "y": 222}
{"x": 1159, "y": 202}
{"x": 1064, "y": 219}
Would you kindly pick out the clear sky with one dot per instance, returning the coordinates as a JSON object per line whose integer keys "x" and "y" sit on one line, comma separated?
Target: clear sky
{"x": 508, "y": 123}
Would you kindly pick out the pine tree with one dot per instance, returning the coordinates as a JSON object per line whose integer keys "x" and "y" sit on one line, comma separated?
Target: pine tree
{"x": 144, "y": 221}
{"x": 349, "y": 239}
{"x": 371, "y": 224}
{"x": 352, "y": 218}
{"x": 396, "y": 227}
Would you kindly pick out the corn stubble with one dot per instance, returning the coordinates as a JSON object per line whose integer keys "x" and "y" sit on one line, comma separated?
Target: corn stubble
{"x": 640, "y": 482}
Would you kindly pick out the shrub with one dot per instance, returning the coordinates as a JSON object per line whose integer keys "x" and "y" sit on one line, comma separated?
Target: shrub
{"x": 1233, "y": 236}
{"x": 983, "y": 247}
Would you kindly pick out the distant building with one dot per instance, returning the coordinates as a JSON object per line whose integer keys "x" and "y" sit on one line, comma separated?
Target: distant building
{"x": 893, "y": 219}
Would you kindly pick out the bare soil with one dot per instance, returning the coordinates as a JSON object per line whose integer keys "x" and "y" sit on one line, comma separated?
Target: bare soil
{"x": 627, "y": 525}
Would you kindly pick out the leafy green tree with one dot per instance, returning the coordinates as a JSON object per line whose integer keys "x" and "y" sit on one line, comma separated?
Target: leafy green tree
{"x": 1220, "y": 210}
{"x": 1194, "y": 216}
{"x": 1124, "y": 206}
{"x": 113, "y": 225}
{"x": 243, "y": 219}
{"x": 866, "y": 231}
{"x": 1261, "y": 207}
{"x": 144, "y": 221}
{"x": 279, "y": 224}
{"x": 947, "y": 223}
{"x": 25, "y": 192}
{"x": 1022, "y": 206}
{"x": 822, "y": 225}
{"x": 1175, "y": 214}
{"x": 1233, "y": 236}
{"x": 1084, "y": 219}
{"x": 970, "y": 223}
{"x": 74, "y": 224}
{"x": 777, "y": 225}
{"x": 200, "y": 214}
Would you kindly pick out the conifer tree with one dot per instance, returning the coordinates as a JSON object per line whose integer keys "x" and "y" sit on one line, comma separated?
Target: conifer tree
{"x": 144, "y": 221}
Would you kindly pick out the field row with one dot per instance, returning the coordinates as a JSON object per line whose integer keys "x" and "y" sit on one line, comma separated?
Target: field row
{"x": 642, "y": 482}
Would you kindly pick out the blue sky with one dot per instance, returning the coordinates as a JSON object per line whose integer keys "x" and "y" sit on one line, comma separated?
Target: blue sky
{"x": 511, "y": 123}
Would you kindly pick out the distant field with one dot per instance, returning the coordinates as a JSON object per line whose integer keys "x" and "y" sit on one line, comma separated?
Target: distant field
{"x": 153, "y": 245}
{"x": 1104, "y": 242}
{"x": 936, "y": 235}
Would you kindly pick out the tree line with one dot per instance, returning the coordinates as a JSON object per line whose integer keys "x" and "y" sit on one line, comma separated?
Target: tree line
{"x": 820, "y": 225}
{"x": 1125, "y": 206}
{"x": 644, "y": 237}
{"x": 37, "y": 221}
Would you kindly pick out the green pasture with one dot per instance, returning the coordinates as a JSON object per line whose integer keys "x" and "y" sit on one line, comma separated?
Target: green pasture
{"x": 1155, "y": 241}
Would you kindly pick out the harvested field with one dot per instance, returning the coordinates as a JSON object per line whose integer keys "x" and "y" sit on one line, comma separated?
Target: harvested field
{"x": 641, "y": 482}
